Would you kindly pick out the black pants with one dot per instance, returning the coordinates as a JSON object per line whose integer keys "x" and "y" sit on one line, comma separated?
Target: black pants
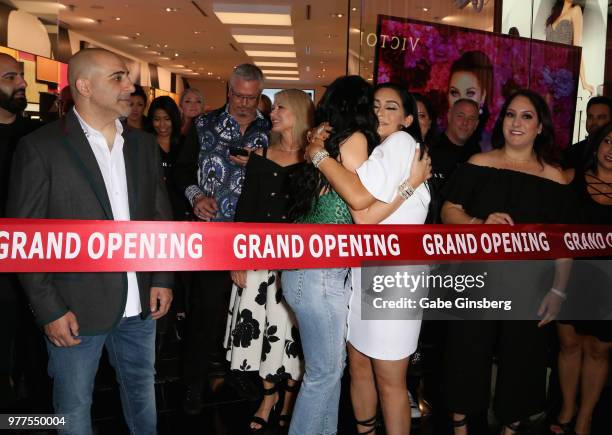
{"x": 521, "y": 349}
{"x": 206, "y": 320}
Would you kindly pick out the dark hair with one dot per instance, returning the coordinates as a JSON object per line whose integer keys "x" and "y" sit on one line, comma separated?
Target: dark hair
{"x": 409, "y": 106}
{"x": 479, "y": 64}
{"x": 139, "y": 92}
{"x": 593, "y": 144}
{"x": 557, "y": 8}
{"x": 347, "y": 105}
{"x": 430, "y": 137}
{"x": 168, "y": 105}
{"x": 600, "y": 100}
{"x": 544, "y": 144}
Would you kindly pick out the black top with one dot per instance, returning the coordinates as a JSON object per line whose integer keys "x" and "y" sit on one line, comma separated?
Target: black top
{"x": 483, "y": 190}
{"x": 575, "y": 156}
{"x": 592, "y": 212}
{"x": 9, "y": 136}
{"x": 447, "y": 156}
{"x": 265, "y": 192}
{"x": 181, "y": 209}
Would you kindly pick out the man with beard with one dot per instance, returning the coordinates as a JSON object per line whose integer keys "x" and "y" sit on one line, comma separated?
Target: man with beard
{"x": 84, "y": 166}
{"x": 210, "y": 171}
{"x": 12, "y": 127}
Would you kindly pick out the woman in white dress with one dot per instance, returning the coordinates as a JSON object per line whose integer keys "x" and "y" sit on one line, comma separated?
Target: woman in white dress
{"x": 379, "y": 350}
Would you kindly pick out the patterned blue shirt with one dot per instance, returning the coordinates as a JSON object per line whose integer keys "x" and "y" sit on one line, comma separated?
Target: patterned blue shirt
{"x": 218, "y": 176}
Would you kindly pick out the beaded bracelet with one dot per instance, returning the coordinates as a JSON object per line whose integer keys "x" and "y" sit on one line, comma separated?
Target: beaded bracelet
{"x": 318, "y": 157}
{"x": 405, "y": 190}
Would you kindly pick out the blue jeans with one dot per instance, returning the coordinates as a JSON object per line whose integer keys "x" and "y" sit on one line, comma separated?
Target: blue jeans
{"x": 131, "y": 350}
{"x": 319, "y": 299}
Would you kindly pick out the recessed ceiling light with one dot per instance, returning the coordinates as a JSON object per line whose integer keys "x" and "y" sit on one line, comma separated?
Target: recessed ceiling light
{"x": 263, "y": 39}
{"x": 212, "y": 47}
{"x": 425, "y": 9}
{"x": 164, "y": 58}
{"x": 281, "y": 78}
{"x": 261, "y": 53}
{"x": 123, "y": 37}
{"x": 117, "y": 18}
{"x": 196, "y": 32}
{"x": 209, "y": 73}
{"x": 177, "y": 66}
{"x": 323, "y": 69}
{"x": 339, "y": 15}
{"x": 89, "y": 20}
{"x": 172, "y": 9}
{"x": 278, "y": 64}
{"x": 353, "y": 9}
{"x": 218, "y": 77}
{"x": 176, "y": 54}
{"x": 281, "y": 72}
{"x": 262, "y": 15}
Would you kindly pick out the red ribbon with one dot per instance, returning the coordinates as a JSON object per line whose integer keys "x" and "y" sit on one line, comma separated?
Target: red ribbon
{"x": 40, "y": 245}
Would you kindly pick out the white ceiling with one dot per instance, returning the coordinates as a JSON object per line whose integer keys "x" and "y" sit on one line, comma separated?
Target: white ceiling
{"x": 204, "y": 45}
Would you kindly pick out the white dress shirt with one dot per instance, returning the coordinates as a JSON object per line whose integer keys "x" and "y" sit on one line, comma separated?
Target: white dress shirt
{"x": 112, "y": 166}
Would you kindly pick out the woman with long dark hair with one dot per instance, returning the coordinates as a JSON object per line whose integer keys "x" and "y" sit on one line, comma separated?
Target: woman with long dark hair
{"x": 378, "y": 192}
{"x": 164, "y": 121}
{"x": 319, "y": 297}
{"x": 519, "y": 181}
{"x": 586, "y": 344}
{"x": 564, "y": 25}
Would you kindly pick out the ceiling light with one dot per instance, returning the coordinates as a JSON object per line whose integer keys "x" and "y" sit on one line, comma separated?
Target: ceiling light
{"x": 337, "y": 15}
{"x": 354, "y": 30}
{"x": 123, "y": 37}
{"x": 323, "y": 69}
{"x": 137, "y": 33}
{"x": 209, "y": 73}
{"x": 117, "y": 18}
{"x": 262, "y": 39}
{"x": 281, "y": 72}
{"x": 262, "y": 15}
{"x": 164, "y": 58}
{"x": 278, "y": 64}
{"x": 425, "y": 9}
{"x": 87, "y": 20}
{"x": 177, "y": 66}
{"x": 172, "y": 9}
{"x": 261, "y": 53}
{"x": 196, "y": 32}
{"x": 281, "y": 78}
{"x": 353, "y": 9}
{"x": 176, "y": 54}
{"x": 212, "y": 47}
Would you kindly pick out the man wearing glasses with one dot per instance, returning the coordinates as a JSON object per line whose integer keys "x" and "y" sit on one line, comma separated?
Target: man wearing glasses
{"x": 210, "y": 171}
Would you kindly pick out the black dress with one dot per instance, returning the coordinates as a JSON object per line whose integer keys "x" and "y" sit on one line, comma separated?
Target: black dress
{"x": 589, "y": 284}
{"x": 520, "y": 346}
{"x": 261, "y": 333}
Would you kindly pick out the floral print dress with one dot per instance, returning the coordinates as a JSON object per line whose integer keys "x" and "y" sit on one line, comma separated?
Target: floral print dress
{"x": 261, "y": 333}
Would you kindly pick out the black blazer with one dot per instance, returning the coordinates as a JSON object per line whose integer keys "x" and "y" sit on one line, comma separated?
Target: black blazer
{"x": 55, "y": 175}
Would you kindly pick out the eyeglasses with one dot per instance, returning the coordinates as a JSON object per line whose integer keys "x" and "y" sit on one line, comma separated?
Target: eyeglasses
{"x": 248, "y": 98}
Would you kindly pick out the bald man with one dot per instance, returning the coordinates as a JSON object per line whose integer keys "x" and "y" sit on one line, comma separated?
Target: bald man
{"x": 84, "y": 167}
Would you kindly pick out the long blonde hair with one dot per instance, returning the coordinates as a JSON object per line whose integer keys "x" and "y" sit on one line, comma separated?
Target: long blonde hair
{"x": 302, "y": 108}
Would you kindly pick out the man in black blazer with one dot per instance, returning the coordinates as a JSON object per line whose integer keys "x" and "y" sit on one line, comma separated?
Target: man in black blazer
{"x": 83, "y": 167}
